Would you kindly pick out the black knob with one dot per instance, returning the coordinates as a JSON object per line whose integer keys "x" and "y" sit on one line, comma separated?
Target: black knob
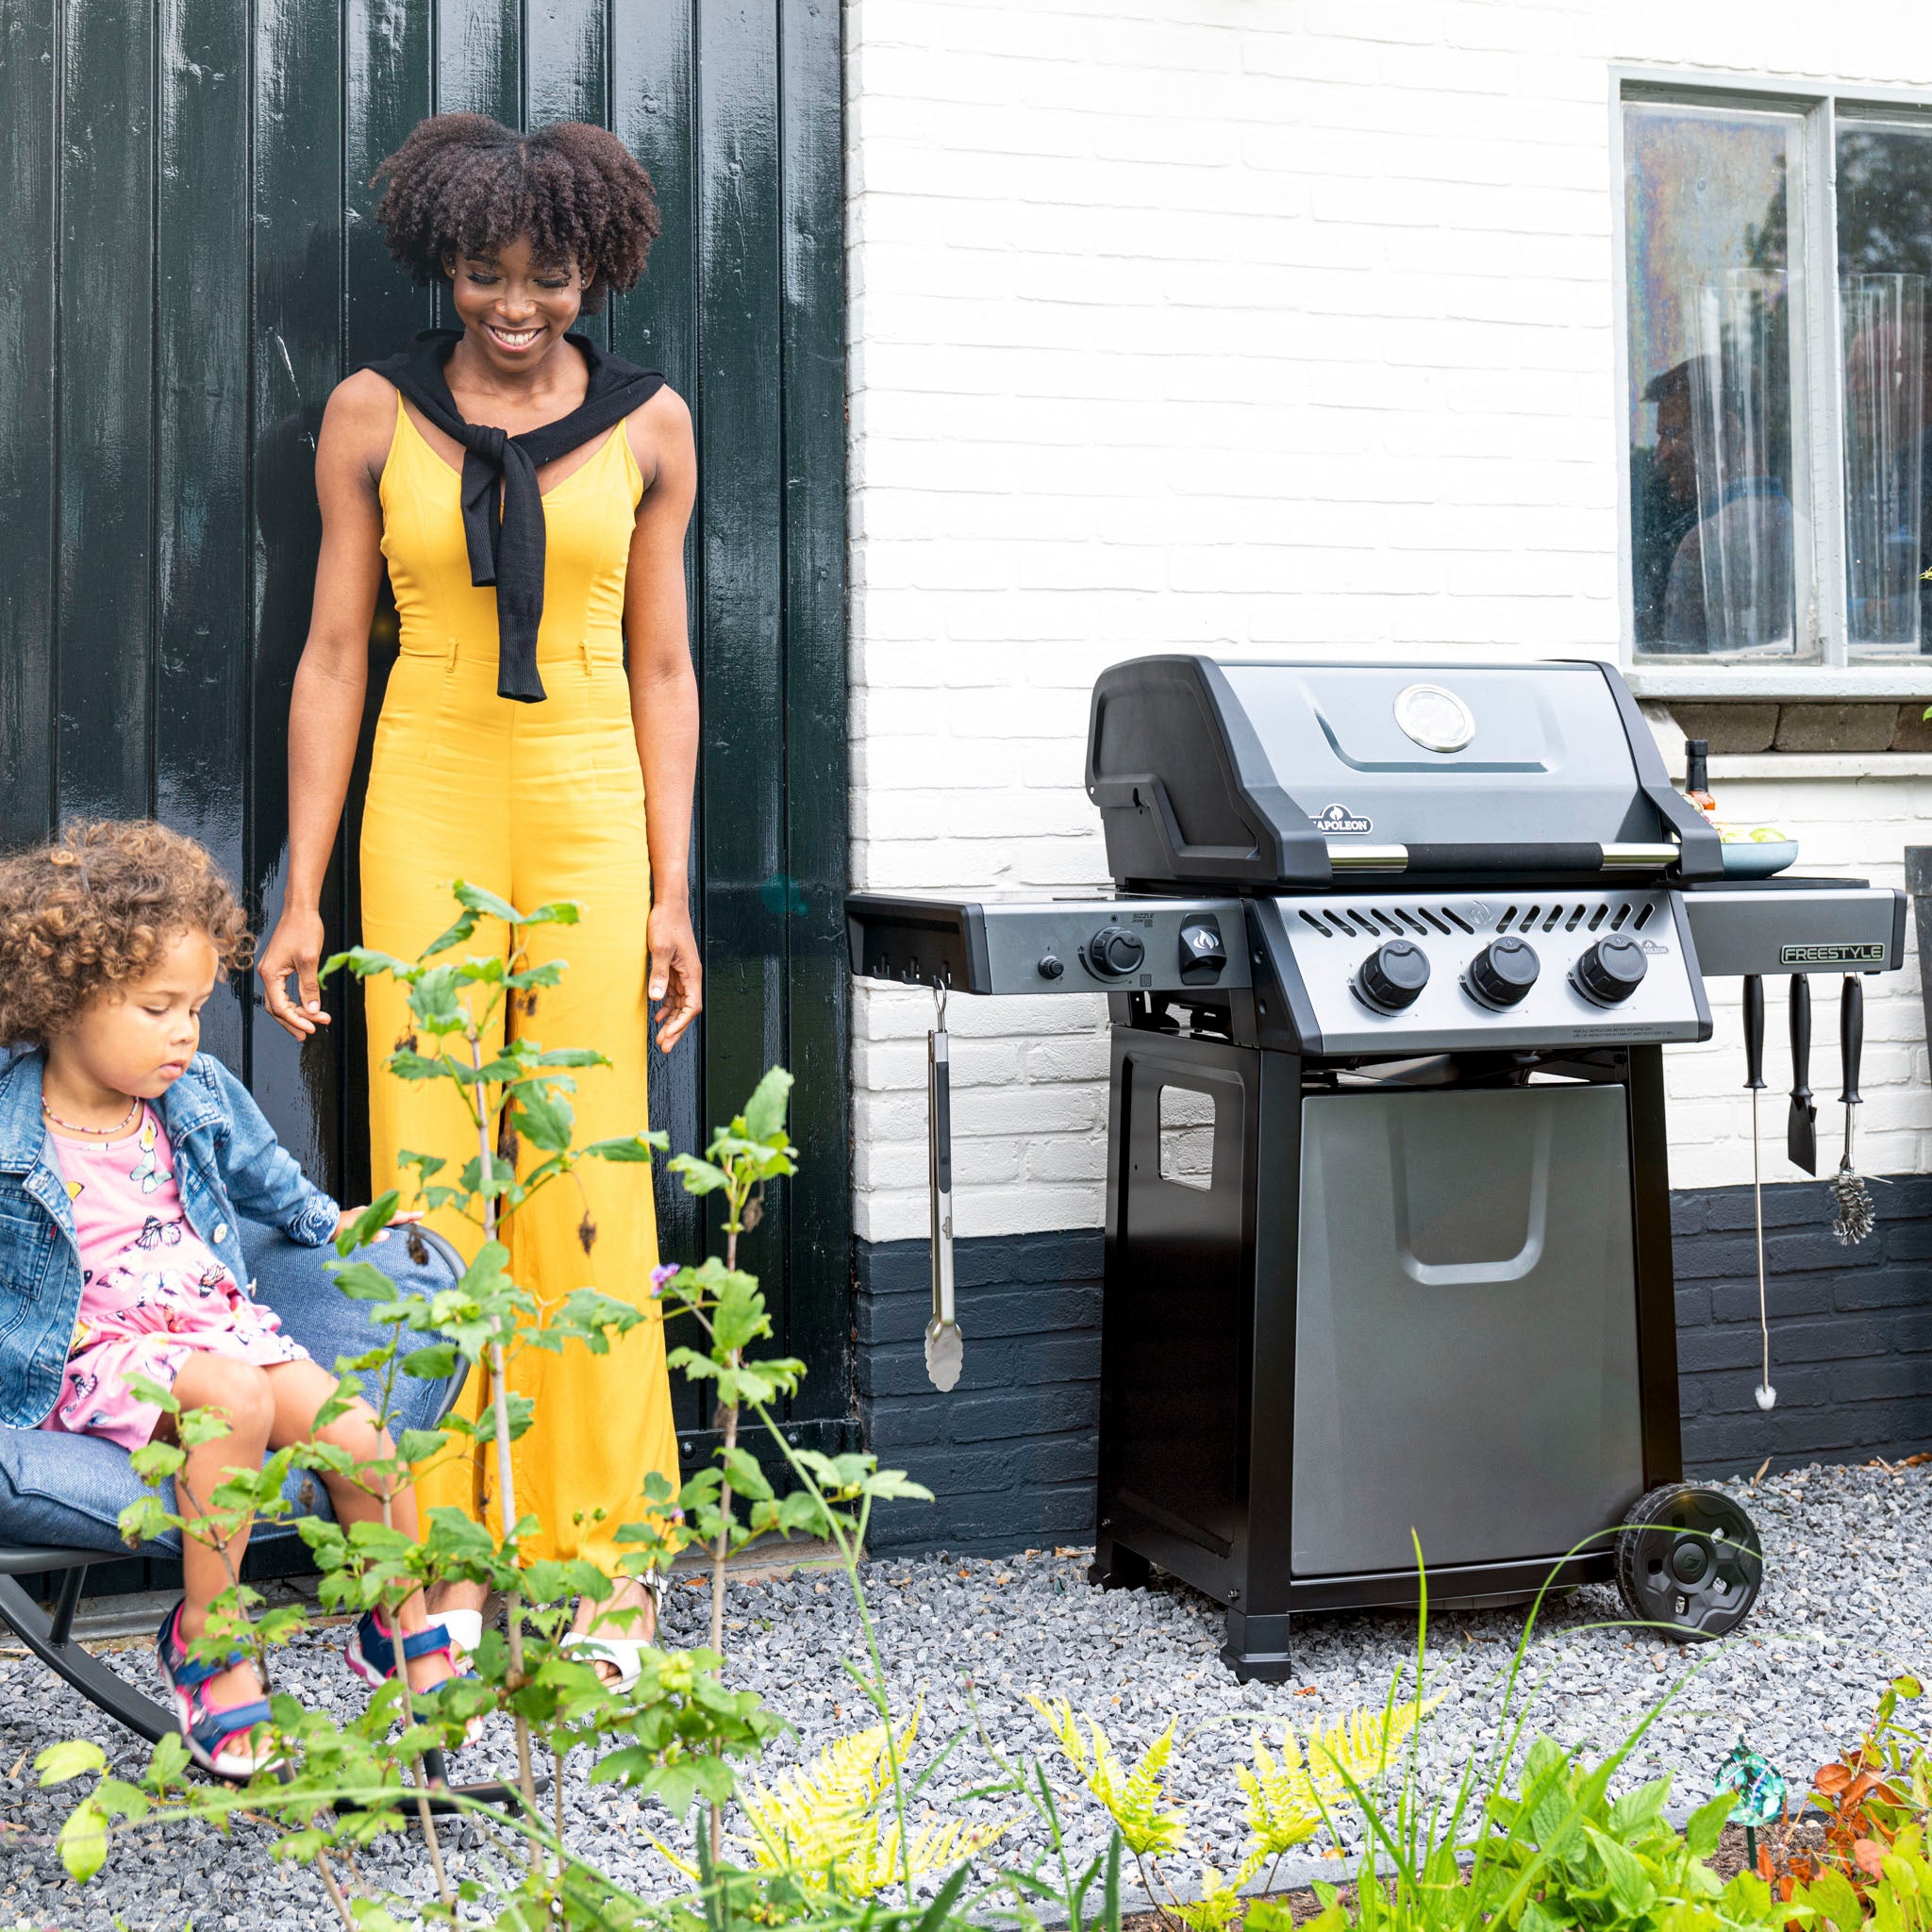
{"x": 1611, "y": 971}
{"x": 1050, "y": 968}
{"x": 1392, "y": 976}
{"x": 1503, "y": 972}
{"x": 1114, "y": 952}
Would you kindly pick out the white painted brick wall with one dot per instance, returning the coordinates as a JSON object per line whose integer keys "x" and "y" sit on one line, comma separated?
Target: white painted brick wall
{"x": 1272, "y": 326}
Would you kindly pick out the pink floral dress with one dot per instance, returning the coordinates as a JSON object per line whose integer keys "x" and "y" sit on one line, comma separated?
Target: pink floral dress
{"x": 152, "y": 1292}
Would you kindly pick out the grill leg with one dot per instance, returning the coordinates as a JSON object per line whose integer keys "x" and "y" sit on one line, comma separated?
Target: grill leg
{"x": 1257, "y": 1648}
{"x": 1116, "y": 1567}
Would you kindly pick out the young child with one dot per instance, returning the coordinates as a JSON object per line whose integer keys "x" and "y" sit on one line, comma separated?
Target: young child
{"x": 120, "y": 1242}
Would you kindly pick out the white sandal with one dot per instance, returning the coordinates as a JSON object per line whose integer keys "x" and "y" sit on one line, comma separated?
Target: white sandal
{"x": 625, "y": 1654}
{"x": 465, "y": 1628}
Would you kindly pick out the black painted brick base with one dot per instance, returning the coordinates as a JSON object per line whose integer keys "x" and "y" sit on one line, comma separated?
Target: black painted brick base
{"x": 1009, "y": 1453}
{"x": 1850, "y": 1328}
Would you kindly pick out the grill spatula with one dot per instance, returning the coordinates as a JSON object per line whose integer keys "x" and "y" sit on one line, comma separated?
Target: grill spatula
{"x": 945, "y": 1350}
{"x": 1801, "y": 1127}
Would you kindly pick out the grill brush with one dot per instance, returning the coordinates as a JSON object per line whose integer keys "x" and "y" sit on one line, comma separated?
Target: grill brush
{"x": 1853, "y": 1215}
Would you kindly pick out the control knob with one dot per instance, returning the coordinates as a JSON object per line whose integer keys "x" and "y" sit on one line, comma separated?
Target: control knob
{"x": 1504, "y": 971}
{"x": 1114, "y": 952}
{"x": 1392, "y": 976}
{"x": 1611, "y": 971}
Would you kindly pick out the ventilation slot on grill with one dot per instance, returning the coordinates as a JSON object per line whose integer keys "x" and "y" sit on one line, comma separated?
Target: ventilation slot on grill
{"x": 1643, "y": 917}
{"x": 1622, "y": 913}
{"x": 1598, "y": 918}
{"x": 1575, "y": 918}
{"x": 1455, "y": 918}
{"x": 1437, "y": 920}
{"x": 1413, "y": 923}
{"x": 1316, "y": 923}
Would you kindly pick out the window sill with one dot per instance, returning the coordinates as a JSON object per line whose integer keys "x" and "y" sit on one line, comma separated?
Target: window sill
{"x": 1840, "y": 765}
{"x": 1871, "y": 683}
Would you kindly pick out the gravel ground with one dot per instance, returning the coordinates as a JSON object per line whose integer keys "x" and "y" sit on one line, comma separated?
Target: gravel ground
{"x": 1847, "y": 1602}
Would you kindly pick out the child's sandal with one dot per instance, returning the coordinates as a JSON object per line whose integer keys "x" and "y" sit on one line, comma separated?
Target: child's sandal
{"x": 217, "y": 1739}
{"x": 373, "y": 1655}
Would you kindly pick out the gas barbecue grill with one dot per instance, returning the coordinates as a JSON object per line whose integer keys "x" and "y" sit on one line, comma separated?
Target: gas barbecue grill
{"x": 1391, "y": 957}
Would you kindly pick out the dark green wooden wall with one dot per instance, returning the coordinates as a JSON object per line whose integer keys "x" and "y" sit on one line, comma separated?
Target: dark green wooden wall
{"x": 187, "y": 267}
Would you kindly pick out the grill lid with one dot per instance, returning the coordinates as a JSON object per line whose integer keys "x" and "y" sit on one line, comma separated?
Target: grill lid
{"x": 1283, "y": 775}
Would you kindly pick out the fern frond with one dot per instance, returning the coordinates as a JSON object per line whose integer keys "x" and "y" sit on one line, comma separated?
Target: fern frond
{"x": 823, "y": 1815}
{"x": 933, "y": 1848}
{"x": 1286, "y": 1800}
{"x": 1135, "y": 1800}
{"x": 1216, "y": 1908}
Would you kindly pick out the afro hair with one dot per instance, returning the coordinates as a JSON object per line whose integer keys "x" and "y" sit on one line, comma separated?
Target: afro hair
{"x": 463, "y": 184}
{"x": 79, "y": 918}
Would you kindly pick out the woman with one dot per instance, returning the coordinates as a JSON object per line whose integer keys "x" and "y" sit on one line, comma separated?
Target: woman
{"x": 542, "y": 693}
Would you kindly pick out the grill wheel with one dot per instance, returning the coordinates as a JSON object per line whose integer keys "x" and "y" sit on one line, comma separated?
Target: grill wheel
{"x": 1689, "y": 1560}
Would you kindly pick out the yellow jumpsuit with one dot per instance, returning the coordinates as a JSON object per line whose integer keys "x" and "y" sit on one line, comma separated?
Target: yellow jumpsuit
{"x": 535, "y": 801}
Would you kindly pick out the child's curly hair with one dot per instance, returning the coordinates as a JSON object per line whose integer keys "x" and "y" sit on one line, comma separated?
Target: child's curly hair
{"x": 93, "y": 910}
{"x": 465, "y": 184}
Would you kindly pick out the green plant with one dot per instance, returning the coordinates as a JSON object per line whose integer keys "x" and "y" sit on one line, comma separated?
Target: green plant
{"x": 680, "y": 1735}
{"x": 1871, "y": 1795}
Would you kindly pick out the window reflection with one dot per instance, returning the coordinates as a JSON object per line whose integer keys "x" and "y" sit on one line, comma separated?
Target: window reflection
{"x": 1707, "y": 194}
{"x": 1885, "y": 256}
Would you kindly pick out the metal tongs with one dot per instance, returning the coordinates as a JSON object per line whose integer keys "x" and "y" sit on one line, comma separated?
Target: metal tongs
{"x": 946, "y": 1350}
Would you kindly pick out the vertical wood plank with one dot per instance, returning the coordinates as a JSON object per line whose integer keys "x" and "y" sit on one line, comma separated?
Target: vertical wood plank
{"x": 389, "y": 85}
{"x": 818, "y": 987}
{"x": 654, "y": 114}
{"x": 297, "y": 358}
{"x": 30, "y": 179}
{"x": 564, "y": 57}
{"x": 201, "y": 453}
{"x": 479, "y": 58}
{"x": 739, "y": 371}
{"x": 102, "y": 664}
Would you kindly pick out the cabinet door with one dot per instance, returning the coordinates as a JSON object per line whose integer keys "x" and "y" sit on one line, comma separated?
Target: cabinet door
{"x": 1466, "y": 1327}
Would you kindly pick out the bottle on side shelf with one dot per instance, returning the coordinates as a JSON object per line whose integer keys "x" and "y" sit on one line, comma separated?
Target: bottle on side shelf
{"x": 1698, "y": 775}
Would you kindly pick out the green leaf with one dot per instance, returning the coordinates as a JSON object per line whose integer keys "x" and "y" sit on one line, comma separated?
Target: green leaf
{"x": 72, "y": 1758}
{"x": 366, "y": 962}
{"x": 1706, "y": 1824}
{"x": 699, "y": 1177}
{"x": 742, "y": 1470}
{"x": 572, "y": 1057}
{"x": 436, "y": 1364}
{"x": 84, "y": 1842}
{"x": 369, "y": 1223}
{"x": 556, "y": 912}
{"x": 362, "y": 1281}
{"x": 633, "y": 1147}
{"x": 480, "y": 899}
{"x": 419, "y": 1445}
{"x": 436, "y": 1004}
{"x": 764, "y": 1112}
{"x": 154, "y": 1462}
{"x": 544, "y": 1118}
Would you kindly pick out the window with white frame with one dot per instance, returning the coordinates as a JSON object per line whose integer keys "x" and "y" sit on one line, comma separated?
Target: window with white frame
{"x": 1777, "y": 253}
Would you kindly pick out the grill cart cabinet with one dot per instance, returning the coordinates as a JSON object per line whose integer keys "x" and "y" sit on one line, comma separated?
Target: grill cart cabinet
{"x": 1392, "y": 954}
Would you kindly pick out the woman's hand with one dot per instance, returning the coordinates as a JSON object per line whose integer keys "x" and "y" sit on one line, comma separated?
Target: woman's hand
{"x": 295, "y": 946}
{"x": 677, "y": 977}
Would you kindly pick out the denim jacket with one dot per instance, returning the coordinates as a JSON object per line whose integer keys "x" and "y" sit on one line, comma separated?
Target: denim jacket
{"x": 227, "y": 1165}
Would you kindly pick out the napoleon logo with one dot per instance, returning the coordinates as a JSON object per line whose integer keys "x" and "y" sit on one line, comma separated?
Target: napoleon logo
{"x": 1338, "y": 818}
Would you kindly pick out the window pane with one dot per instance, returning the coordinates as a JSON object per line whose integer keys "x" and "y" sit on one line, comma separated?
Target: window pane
{"x": 1711, "y": 301}
{"x": 1884, "y": 257}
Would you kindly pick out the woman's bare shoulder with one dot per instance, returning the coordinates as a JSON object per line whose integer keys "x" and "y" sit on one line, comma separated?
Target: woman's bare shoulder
{"x": 661, "y": 434}
{"x": 360, "y": 420}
